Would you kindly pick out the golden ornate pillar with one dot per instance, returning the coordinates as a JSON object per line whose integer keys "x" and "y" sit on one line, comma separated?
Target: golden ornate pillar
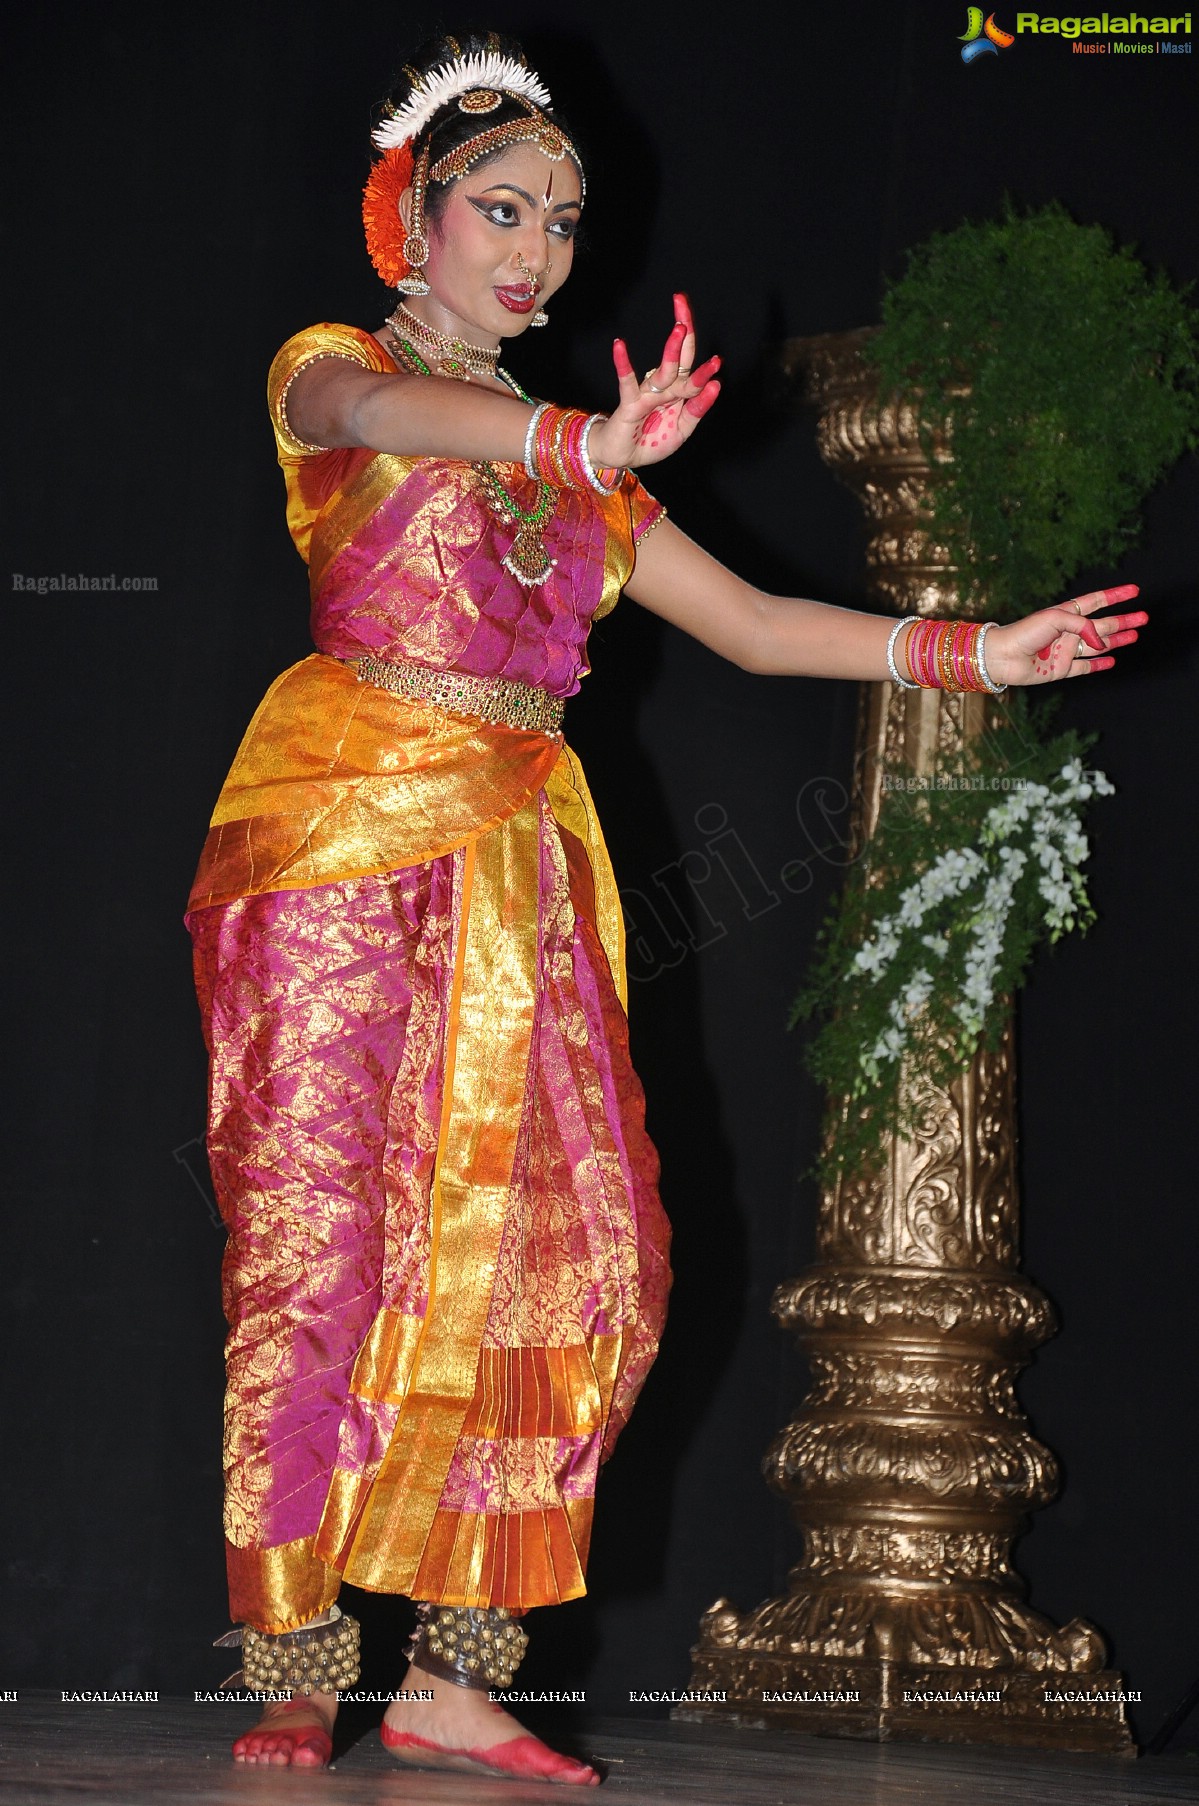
{"x": 910, "y": 1465}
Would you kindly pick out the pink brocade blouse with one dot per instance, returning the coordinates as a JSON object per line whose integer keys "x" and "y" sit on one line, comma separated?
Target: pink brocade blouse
{"x": 406, "y": 554}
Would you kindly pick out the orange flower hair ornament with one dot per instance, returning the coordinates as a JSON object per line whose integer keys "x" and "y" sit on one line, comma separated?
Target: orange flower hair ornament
{"x": 385, "y": 234}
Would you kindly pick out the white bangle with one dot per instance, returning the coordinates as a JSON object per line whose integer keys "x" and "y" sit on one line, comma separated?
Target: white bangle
{"x": 588, "y": 466}
{"x": 908, "y": 621}
{"x": 980, "y": 659}
{"x": 534, "y": 420}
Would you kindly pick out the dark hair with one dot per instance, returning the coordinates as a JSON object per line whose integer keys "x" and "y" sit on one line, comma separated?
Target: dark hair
{"x": 450, "y": 126}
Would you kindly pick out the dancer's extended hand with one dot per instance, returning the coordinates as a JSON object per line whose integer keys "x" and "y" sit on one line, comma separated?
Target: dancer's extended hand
{"x": 1061, "y": 641}
{"x": 656, "y": 415}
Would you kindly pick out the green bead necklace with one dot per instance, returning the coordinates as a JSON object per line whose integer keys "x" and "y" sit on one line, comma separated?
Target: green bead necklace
{"x": 526, "y": 559}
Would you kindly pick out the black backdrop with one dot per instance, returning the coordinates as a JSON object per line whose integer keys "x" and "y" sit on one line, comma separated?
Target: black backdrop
{"x": 186, "y": 197}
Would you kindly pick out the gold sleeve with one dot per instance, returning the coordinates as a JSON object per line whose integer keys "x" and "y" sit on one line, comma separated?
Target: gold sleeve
{"x": 304, "y": 348}
{"x": 645, "y": 512}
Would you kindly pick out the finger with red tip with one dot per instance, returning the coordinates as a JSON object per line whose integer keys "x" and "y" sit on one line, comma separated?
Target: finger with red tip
{"x": 621, "y": 358}
{"x": 1119, "y": 622}
{"x": 699, "y": 404}
{"x": 700, "y": 376}
{"x": 682, "y": 317}
{"x": 668, "y": 366}
{"x": 1089, "y": 632}
{"x": 1099, "y": 598}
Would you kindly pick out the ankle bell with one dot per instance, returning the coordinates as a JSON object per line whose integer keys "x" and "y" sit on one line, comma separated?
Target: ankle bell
{"x": 313, "y": 1659}
{"x": 473, "y": 1646}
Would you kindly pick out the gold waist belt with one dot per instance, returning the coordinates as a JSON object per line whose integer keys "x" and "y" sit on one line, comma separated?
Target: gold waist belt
{"x": 500, "y": 700}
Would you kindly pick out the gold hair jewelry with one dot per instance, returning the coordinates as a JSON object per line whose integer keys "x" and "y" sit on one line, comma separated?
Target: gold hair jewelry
{"x": 479, "y": 100}
{"x": 534, "y": 128}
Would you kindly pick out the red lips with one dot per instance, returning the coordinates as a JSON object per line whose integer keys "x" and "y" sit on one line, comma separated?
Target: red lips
{"x": 518, "y": 300}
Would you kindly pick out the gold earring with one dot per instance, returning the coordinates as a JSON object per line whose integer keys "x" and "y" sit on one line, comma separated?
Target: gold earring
{"x": 416, "y": 245}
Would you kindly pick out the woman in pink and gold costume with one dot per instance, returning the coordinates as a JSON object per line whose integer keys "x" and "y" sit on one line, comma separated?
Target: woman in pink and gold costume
{"x": 446, "y": 1272}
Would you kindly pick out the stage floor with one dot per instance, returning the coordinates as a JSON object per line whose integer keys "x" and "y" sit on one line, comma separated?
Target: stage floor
{"x": 144, "y": 1755}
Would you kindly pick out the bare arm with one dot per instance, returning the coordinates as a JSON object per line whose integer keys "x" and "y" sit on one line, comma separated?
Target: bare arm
{"x": 785, "y": 636}
{"x": 335, "y": 402}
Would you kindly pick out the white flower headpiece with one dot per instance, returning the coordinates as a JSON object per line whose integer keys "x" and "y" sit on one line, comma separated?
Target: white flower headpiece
{"x": 483, "y": 69}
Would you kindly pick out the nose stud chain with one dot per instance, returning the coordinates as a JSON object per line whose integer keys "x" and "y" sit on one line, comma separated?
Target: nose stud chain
{"x": 540, "y": 318}
{"x": 534, "y": 282}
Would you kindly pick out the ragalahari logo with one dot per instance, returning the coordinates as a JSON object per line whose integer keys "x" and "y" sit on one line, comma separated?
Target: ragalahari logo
{"x": 983, "y": 38}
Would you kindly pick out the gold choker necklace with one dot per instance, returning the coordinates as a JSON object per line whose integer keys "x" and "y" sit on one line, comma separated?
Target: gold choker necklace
{"x": 456, "y": 357}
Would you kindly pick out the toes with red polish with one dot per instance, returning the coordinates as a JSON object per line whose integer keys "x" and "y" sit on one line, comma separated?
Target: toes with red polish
{"x": 308, "y": 1748}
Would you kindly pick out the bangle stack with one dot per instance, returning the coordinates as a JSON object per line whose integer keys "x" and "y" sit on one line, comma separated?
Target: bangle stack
{"x": 556, "y": 450}
{"x": 943, "y": 655}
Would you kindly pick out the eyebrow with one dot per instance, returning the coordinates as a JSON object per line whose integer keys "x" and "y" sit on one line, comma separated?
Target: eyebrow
{"x": 511, "y": 188}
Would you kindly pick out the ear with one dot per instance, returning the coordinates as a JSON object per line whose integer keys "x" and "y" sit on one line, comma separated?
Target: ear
{"x": 406, "y": 209}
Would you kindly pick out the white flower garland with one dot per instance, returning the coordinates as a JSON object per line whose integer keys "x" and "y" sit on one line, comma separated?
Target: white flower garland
{"x": 483, "y": 69}
{"x": 1045, "y": 819}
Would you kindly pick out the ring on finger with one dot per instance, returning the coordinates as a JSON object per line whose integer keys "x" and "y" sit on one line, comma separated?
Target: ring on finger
{"x": 653, "y": 387}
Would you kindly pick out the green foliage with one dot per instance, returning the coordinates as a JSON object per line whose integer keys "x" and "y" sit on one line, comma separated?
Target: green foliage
{"x": 962, "y": 809}
{"x": 1062, "y": 372}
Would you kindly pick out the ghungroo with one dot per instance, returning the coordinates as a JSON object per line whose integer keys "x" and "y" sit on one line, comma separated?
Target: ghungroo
{"x": 314, "y": 1659}
{"x": 473, "y": 1646}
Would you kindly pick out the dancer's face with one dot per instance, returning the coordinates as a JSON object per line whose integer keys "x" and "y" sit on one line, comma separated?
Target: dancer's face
{"x": 503, "y": 245}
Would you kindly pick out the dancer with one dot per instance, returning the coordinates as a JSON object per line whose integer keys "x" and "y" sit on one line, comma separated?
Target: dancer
{"x": 446, "y": 1272}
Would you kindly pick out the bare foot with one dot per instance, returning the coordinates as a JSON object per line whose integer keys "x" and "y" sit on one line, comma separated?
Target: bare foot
{"x": 461, "y": 1728}
{"x": 292, "y": 1733}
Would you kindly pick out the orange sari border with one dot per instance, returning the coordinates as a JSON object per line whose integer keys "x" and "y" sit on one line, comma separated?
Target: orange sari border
{"x": 279, "y": 1589}
{"x": 336, "y": 779}
{"x": 492, "y": 1005}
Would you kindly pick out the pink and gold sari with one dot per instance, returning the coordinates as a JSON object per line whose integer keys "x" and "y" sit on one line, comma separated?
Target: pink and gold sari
{"x": 447, "y": 1263}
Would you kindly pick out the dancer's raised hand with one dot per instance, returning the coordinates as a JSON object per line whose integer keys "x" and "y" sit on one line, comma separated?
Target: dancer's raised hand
{"x": 657, "y": 414}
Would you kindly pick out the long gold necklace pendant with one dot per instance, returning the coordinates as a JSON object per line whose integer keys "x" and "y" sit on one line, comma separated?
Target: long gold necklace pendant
{"x": 527, "y": 558}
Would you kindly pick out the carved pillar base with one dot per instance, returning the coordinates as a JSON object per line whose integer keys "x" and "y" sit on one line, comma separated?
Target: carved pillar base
{"x": 910, "y": 1466}
{"x": 882, "y": 1701}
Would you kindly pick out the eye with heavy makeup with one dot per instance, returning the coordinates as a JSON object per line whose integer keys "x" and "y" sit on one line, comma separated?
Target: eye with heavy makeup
{"x": 501, "y": 206}
{"x": 506, "y": 214}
